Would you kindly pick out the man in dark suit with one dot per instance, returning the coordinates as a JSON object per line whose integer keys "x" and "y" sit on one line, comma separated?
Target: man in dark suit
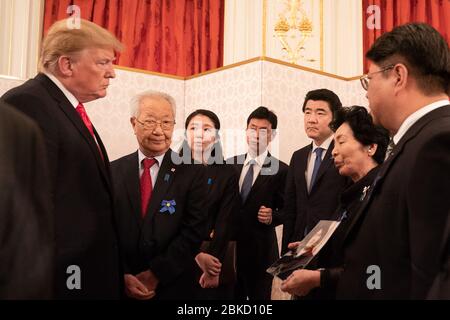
{"x": 392, "y": 249}
{"x": 261, "y": 183}
{"x": 160, "y": 205}
{"x": 441, "y": 284}
{"x": 26, "y": 229}
{"x": 76, "y": 67}
{"x": 313, "y": 184}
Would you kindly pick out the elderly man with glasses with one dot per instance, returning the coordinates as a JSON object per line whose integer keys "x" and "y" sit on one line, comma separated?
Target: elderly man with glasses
{"x": 160, "y": 206}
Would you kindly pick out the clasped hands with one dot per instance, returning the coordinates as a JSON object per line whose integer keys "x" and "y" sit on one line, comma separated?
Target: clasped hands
{"x": 142, "y": 286}
{"x": 211, "y": 267}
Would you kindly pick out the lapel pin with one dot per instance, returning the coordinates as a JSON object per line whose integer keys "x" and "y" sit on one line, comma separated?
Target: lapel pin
{"x": 364, "y": 193}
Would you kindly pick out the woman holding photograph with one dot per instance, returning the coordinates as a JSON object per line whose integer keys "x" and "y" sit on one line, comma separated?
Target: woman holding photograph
{"x": 359, "y": 149}
{"x": 214, "y": 262}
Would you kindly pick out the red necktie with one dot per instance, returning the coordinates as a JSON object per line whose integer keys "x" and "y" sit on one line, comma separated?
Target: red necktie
{"x": 87, "y": 122}
{"x": 146, "y": 185}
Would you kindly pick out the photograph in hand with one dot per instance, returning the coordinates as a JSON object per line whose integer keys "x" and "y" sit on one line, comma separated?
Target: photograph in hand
{"x": 305, "y": 250}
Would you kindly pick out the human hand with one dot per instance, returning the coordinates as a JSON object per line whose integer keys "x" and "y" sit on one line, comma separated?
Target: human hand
{"x": 207, "y": 281}
{"x": 136, "y": 289}
{"x": 148, "y": 279}
{"x": 208, "y": 263}
{"x": 301, "y": 282}
{"x": 265, "y": 215}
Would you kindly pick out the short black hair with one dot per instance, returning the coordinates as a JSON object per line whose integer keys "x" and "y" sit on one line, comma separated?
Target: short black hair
{"x": 364, "y": 130}
{"x": 422, "y": 49}
{"x": 264, "y": 113}
{"x": 207, "y": 113}
{"x": 324, "y": 95}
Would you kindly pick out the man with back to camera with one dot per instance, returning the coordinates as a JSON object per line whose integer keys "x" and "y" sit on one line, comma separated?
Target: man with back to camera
{"x": 26, "y": 226}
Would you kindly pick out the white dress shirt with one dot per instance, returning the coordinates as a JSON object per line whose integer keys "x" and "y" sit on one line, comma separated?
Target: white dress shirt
{"x": 312, "y": 158}
{"x": 258, "y": 163}
{"x": 413, "y": 118}
{"x": 154, "y": 170}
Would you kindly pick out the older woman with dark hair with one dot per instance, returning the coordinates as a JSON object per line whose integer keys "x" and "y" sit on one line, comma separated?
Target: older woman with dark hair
{"x": 359, "y": 149}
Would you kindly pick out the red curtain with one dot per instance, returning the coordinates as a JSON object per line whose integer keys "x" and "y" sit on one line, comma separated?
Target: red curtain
{"x": 179, "y": 37}
{"x": 397, "y": 12}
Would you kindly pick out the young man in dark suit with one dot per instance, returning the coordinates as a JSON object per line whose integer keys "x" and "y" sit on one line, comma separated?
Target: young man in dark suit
{"x": 26, "y": 223}
{"x": 161, "y": 206}
{"x": 76, "y": 67}
{"x": 392, "y": 250}
{"x": 313, "y": 184}
{"x": 261, "y": 185}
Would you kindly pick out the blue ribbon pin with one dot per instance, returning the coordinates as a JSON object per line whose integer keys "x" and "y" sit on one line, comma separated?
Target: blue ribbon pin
{"x": 168, "y": 205}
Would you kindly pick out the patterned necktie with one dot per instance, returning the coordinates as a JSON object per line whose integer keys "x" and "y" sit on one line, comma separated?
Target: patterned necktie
{"x": 87, "y": 122}
{"x": 389, "y": 149}
{"x": 317, "y": 163}
{"x": 248, "y": 182}
{"x": 146, "y": 185}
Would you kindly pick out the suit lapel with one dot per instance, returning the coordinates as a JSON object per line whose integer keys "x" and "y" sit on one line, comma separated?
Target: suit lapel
{"x": 165, "y": 178}
{"x": 262, "y": 179}
{"x": 327, "y": 161}
{"x": 132, "y": 185}
{"x": 73, "y": 116}
{"x": 410, "y": 134}
{"x": 238, "y": 163}
{"x": 302, "y": 169}
{"x": 375, "y": 184}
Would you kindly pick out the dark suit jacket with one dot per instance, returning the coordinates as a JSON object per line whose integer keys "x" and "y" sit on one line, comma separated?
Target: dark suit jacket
{"x": 441, "y": 284}
{"x": 162, "y": 242}
{"x": 223, "y": 205}
{"x": 303, "y": 210}
{"x": 331, "y": 256}
{"x": 81, "y": 191}
{"x": 257, "y": 246}
{"x": 26, "y": 225}
{"x": 400, "y": 226}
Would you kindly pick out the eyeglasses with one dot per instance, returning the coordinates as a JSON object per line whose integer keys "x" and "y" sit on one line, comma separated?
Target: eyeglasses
{"x": 151, "y": 124}
{"x": 365, "y": 78}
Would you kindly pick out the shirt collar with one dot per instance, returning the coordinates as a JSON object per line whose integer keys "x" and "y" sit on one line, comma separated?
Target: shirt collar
{"x": 141, "y": 156}
{"x": 73, "y": 101}
{"x": 414, "y": 117}
{"x": 325, "y": 145}
{"x": 259, "y": 159}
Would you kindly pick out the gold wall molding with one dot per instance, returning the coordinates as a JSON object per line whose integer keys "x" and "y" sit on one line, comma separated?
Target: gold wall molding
{"x": 234, "y": 65}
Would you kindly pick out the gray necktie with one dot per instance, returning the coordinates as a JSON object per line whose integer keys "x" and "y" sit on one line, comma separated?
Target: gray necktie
{"x": 389, "y": 149}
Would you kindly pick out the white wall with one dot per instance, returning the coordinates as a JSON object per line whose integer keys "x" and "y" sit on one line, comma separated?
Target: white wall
{"x": 342, "y": 34}
{"x": 20, "y": 36}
